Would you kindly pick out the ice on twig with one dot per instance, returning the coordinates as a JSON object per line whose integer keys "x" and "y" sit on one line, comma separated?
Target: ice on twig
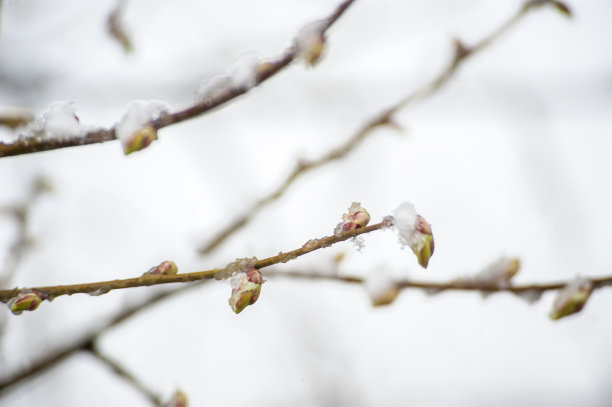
{"x": 531, "y": 296}
{"x": 241, "y": 75}
{"x": 414, "y": 231}
{"x": 238, "y": 266}
{"x": 310, "y": 42}
{"x": 134, "y": 129}
{"x": 572, "y": 298}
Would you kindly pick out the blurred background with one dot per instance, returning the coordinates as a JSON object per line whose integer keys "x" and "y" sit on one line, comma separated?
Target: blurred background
{"x": 510, "y": 158}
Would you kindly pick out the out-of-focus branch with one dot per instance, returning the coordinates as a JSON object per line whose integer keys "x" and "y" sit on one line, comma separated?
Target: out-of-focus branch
{"x": 21, "y": 212}
{"x": 123, "y": 373}
{"x": 265, "y": 71}
{"x": 88, "y": 341}
{"x": 51, "y": 292}
{"x": 384, "y": 118}
{"x": 116, "y": 27}
{"x": 458, "y": 285}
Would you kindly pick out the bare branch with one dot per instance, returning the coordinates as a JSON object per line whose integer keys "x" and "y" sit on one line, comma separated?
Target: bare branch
{"x": 51, "y": 292}
{"x": 265, "y": 71}
{"x": 458, "y": 285}
{"x": 123, "y": 373}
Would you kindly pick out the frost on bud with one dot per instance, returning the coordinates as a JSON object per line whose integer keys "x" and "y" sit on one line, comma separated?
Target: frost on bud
{"x": 310, "y": 43}
{"x": 245, "y": 289}
{"x": 164, "y": 268}
{"x": 571, "y": 299}
{"x": 178, "y": 399}
{"x": 26, "y": 300}
{"x": 357, "y": 217}
{"x": 381, "y": 289}
{"x": 134, "y": 130}
{"x": 415, "y": 232}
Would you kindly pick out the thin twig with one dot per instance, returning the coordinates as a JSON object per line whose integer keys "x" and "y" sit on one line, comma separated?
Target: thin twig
{"x": 51, "y": 292}
{"x": 88, "y": 341}
{"x": 116, "y": 27}
{"x": 384, "y": 118}
{"x": 265, "y": 71}
{"x": 458, "y": 285}
{"x": 123, "y": 373}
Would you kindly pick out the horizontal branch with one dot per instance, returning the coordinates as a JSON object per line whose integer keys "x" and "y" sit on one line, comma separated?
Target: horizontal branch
{"x": 51, "y": 292}
{"x": 458, "y": 285}
{"x": 383, "y": 118}
{"x": 264, "y": 72}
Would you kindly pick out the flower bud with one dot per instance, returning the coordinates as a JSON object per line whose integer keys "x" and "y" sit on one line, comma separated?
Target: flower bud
{"x": 357, "y": 217}
{"x": 26, "y": 300}
{"x": 246, "y": 289}
{"x": 571, "y": 299}
{"x": 164, "y": 268}
{"x": 140, "y": 139}
{"x": 415, "y": 232}
{"x": 178, "y": 399}
{"x": 310, "y": 43}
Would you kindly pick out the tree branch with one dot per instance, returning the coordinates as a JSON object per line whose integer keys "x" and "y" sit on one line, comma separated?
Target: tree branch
{"x": 123, "y": 373}
{"x": 384, "y": 118}
{"x": 51, "y": 292}
{"x": 265, "y": 71}
{"x": 458, "y": 285}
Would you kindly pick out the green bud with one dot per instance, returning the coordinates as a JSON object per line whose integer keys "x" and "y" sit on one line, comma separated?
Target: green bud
{"x": 142, "y": 138}
{"x": 26, "y": 300}
{"x": 571, "y": 299}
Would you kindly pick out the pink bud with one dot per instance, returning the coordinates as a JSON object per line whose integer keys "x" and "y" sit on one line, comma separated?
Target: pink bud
{"x": 246, "y": 290}
{"x": 356, "y": 218}
{"x": 164, "y": 268}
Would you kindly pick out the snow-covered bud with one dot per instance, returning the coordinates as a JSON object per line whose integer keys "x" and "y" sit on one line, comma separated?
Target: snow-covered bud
{"x": 356, "y": 217}
{"x": 381, "y": 289}
{"x": 498, "y": 274}
{"x": 310, "y": 43}
{"x": 26, "y": 300}
{"x": 134, "y": 130}
{"x": 178, "y": 399}
{"x": 245, "y": 289}
{"x": 571, "y": 299}
{"x": 414, "y": 231}
{"x": 164, "y": 268}
{"x": 140, "y": 139}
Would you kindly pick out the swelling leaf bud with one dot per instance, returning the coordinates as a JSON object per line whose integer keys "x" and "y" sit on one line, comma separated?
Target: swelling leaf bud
{"x": 246, "y": 289}
{"x": 571, "y": 299}
{"x": 139, "y": 140}
{"x": 164, "y": 268}
{"x": 26, "y": 300}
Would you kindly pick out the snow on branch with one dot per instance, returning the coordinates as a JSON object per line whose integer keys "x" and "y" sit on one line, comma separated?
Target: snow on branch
{"x": 206, "y": 102}
{"x": 382, "y": 119}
